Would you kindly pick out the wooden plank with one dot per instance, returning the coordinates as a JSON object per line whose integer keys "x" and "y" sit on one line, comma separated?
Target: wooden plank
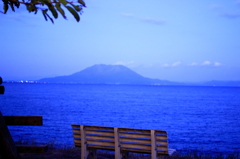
{"x": 128, "y": 130}
{"x": 74, "y": 126}
{"x": 161, "y": 132}
{"x": 100, "y": 143}
{"x": 106, "y": 133}
{"x": 161, "y": 137}
{"x": 163, "y": 153}
{"x": 100, "y": 147}
{"x": 162, "y": 148}
{"x": 123, "y": 149}
{"x": 77, "y": 141}
{"x": 77, "y": 135}
{"x": 137, "y": 146}
{"x": 97, "y": 128}
{"x": 162, "y": 142}
{"x": 75, "y": 131}
{"x": 96, "y": 137}
{"x": 23, "y": 120}
{"x": 31, "y": 148}
{"x": 123, "y": 134}
{"x": 136, "y": 140}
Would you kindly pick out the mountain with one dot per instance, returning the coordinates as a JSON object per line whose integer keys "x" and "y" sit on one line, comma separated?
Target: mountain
{"x": 107, "y": 74}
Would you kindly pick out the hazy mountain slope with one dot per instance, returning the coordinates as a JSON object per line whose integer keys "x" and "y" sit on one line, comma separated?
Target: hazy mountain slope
{"x": 106, "y": 74}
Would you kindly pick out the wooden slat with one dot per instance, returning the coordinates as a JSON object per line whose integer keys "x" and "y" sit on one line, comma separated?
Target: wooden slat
{"x": 24, "y": 120}
{"x": 97, "y": 137}
{"x": 128, "y": 130}
{"x": 136, "y": 150}
{"x": 31, "y": 148}
{"x": 75, "y": 126}
{"x": 136, "y": 140}
{"x": 101, "y": 147}
{"x": 123, "y": 134}
{"x": 109, "y": 133}
{"x": 162, "y": 153}
{"x": 161, "y": 132}
{"x": 77, "y": 135}
{"x": 162, "y": 142}
{"x": 77, "y": 141}
{"x": 100, "y": 143}
{"x": 137, "y": 146}
{"x": 162, "y": 148}
{"x": 161, "y": 137}
{"x": 97, "y": 128}
{"x": 76, "y": 131}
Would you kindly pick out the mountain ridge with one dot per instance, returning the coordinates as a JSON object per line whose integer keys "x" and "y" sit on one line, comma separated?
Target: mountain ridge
{"x": 119, "y": 74}
{"x": 107, "y": 74}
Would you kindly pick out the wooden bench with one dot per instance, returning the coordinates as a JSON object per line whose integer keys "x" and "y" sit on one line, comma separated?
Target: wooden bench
{"x": 120, "y": 140}
{"x": 26, "y": 121}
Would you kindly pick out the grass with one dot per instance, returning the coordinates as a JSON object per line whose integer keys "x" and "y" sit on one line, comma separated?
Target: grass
{"x": 65, "y": 152}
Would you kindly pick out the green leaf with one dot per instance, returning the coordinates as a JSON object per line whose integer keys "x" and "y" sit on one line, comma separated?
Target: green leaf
{"x": 74, "y": 13}
{"x": 16, "y": 4}
{"x": 58, "y": 6}
{"x": 82, "y": 2}
{"x": 64, "y": 2}
{"x": 5, "y": 8}
{"x": 44, "y": 14}
{"x": 50, "y": 18}
{"x": 77, "y": 8}
{"x": 11, "y": 5}
{"x": 54, "y": 12}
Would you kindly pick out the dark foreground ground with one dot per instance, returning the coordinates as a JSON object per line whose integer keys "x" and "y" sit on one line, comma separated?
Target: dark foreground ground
{"x": 74, "y": 153}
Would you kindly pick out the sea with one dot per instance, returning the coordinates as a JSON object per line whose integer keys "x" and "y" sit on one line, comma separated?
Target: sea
{"x": 204, "y": 118}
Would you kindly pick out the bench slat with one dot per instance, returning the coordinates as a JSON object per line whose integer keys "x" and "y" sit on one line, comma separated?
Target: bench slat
{"x": 99, "y": 132}
{"x": 123, "y": 134}
{"x": 135, "y": 145}
{"x": 100, "y": 143}
{"x": 146, "y": 141}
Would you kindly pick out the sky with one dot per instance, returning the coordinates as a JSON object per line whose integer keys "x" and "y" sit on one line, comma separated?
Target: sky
{"x": 182, "y": 41}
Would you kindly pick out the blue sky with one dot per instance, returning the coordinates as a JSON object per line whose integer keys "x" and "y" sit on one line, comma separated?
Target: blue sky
{"x": 187, "y": 40}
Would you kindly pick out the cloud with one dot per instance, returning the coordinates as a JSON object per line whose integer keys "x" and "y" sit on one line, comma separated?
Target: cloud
{"x": 172, "y": 65}
{"x": 230, "y": 15}
{"x": 217, "y": 64}
{"x": 156, "y": 21}
{"x": 205, "y": 63}
{"x": 128, "y": 64}
{"x": 193, "y": 64}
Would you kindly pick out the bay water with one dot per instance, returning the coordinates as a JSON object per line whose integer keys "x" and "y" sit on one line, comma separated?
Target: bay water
{"x": 195, "y": 117}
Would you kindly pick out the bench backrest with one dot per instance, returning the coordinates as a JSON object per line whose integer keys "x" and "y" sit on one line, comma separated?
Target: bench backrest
{"x": 130, "y": 140}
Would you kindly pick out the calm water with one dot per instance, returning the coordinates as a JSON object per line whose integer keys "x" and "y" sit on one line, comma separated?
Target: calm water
{"x": 206, "y": 118}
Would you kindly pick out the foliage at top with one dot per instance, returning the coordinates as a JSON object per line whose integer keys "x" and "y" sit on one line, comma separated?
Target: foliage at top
{"x": 46, "y": 6}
